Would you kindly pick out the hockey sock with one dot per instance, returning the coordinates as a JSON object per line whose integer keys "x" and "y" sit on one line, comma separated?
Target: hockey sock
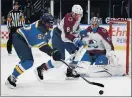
{"x": 21, "y": 67}
{"x": 48, "y": 65}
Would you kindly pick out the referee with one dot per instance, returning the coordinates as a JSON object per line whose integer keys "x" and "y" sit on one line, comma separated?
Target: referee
{"x": 15, "y": 20}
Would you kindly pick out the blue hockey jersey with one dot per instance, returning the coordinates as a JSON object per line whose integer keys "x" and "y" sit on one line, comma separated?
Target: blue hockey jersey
{"x": 34, "y": 36}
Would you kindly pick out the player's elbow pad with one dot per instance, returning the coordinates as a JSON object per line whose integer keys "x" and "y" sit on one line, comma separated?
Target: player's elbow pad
{"x": 47, "y": 49}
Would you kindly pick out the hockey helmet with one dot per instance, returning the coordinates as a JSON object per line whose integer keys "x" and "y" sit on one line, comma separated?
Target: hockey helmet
{"x": 77, "y": 9}
{"x": 47, "y": 18}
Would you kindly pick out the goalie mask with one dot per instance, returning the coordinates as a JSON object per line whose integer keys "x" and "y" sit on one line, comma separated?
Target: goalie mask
{"x": 94, "y": 22}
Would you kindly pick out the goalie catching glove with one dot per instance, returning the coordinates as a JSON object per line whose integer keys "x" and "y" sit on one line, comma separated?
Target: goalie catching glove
{"x": 112, "y": 58}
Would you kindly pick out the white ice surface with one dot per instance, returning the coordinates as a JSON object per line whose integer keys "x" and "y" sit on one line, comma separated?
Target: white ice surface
{"x": 55, "y": 83}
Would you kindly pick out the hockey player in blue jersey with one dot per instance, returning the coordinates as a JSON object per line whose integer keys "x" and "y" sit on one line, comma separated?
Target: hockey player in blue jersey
{"x": 36, "y": 33}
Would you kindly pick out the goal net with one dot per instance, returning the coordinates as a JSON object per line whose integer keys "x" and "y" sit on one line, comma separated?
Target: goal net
{"x": 120, "y": 32}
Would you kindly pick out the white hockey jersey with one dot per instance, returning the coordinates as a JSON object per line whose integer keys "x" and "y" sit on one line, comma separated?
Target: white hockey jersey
{"x": 99, "y": 42}
{"x": 68, "y": 26}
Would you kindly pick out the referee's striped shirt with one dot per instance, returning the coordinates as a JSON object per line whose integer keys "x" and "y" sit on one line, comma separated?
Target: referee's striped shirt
{"x": 15, "y": 19}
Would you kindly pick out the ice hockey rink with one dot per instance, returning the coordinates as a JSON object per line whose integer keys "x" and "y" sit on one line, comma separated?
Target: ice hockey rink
{"x": 54, "y": 83}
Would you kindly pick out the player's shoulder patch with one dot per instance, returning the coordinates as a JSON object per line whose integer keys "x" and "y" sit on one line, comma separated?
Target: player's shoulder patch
{"x": 103, "y": 30}
{"x": 70, "y": 19}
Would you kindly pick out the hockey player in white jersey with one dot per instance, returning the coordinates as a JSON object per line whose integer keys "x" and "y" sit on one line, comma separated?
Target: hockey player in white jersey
{"x": 98, "y": 41}
{"x": 100, "y": 58}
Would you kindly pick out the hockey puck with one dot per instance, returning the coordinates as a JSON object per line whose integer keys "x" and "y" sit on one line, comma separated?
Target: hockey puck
{"x": 101, "y": 92}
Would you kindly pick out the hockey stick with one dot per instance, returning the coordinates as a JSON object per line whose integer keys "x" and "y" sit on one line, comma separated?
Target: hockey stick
{"x": 92, "y": 83}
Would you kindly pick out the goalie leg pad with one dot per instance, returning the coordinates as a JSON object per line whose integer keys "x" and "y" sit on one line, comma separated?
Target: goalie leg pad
{"x": 100, "y": 70}
{"x": 117, "y": 70}
{"x": 82, "y": 67}
{"x": 92, "y": 70}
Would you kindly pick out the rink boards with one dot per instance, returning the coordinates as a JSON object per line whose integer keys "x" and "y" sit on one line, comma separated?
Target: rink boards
{"x": 118, "y": 37}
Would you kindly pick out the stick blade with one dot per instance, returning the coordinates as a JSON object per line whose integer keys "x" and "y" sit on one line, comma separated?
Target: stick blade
{"x": 98, "y": 84}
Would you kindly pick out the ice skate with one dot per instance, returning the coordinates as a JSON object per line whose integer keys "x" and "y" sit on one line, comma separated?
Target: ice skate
{"x": 11, "y": 82}
{"x": 71, "y": 75}
{"x": 39, "y": 72}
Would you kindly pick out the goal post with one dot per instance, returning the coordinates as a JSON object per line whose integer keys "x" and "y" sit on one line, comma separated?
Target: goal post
{"x": 125, "y": 25}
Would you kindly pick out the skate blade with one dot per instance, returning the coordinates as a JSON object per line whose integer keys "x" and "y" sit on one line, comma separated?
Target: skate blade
{"x": 36, "y": 73}
{"x": 71, "y": 78}
{"x": 9, "y": 85}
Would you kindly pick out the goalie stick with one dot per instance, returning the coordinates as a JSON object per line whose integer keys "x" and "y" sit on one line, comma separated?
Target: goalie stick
{"x": 92, "y": 83}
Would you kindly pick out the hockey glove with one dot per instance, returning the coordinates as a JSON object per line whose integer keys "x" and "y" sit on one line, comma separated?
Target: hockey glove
{"x": 56, "y": 55}
{"x": 83, "y": 33}
{"x": 112, "y": 58}
{"x": 110, "y": 54}
{"x": 78, "y": 42}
